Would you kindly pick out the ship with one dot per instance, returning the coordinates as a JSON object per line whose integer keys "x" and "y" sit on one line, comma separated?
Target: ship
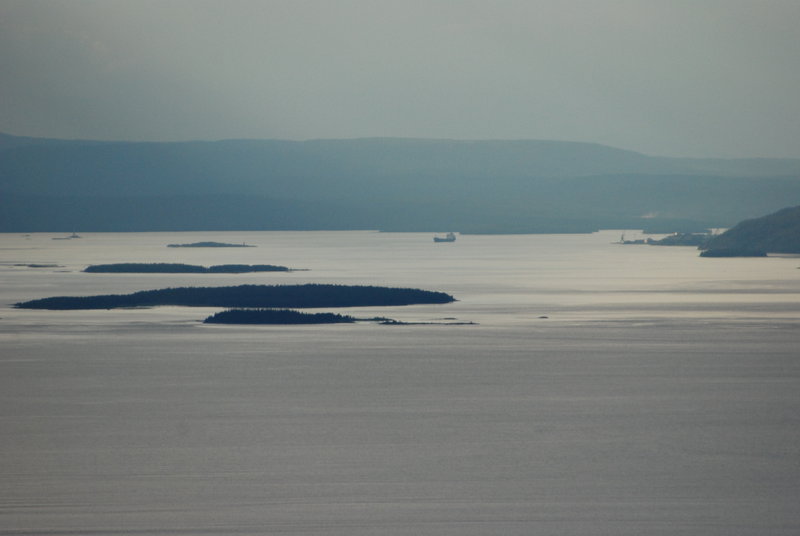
{"x": 449, "y": 237}
{"x": 73, "y": 235}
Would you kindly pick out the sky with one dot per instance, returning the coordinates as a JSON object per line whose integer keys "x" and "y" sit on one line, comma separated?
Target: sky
{"x": 700, "y": 78}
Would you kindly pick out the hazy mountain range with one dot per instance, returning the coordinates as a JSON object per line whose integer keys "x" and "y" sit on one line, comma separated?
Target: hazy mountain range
{"x": 377, "y": 183}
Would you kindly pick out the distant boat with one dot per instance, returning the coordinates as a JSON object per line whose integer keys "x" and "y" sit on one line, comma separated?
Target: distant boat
{"x": 73, "y": 235}
{"x": 449, "y": 237}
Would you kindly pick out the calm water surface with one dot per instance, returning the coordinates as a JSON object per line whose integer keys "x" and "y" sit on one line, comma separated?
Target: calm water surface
{"x": 660, "y": 395}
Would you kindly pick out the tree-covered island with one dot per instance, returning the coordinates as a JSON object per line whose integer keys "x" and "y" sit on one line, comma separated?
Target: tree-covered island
{"x": 178, "y": 268}
{"x": 276, "y": 316}
{"x": 252, "y": 296}
{"x": 210, "y": 245}
{"x": 287, "y": 316}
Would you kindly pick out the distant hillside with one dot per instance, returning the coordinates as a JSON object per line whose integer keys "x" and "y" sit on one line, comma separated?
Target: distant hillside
{"x": 376, "y": 183}
{"x": 775, "y": 233}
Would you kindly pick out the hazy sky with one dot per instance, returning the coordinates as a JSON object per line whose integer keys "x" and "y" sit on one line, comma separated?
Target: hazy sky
{"x": 664, "y": 77}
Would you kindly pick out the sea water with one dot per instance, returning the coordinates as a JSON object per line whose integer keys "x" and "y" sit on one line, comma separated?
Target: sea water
{"x": 602, "y": 389}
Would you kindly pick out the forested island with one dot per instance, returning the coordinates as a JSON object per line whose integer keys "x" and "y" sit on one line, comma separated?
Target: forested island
{"x": 254, "y": 296}
{"x": 275, "y": 316}
{"x": 287, "y": 316}
{"x": 210, "y": 245}
{"x": 775, "y": 233}
{"x": 178, "y": 268}
{"x": 734, "y": 252}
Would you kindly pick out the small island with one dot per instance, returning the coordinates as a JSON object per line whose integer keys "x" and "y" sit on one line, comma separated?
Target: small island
{"x": 275, "y": 316}
{"x": 251, "y": 296}
{"x": 210, "y": 245}
{"x": 177, "y": 268}
{"x": 287, "y": 317}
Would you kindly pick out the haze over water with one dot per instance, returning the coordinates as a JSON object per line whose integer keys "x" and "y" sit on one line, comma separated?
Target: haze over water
{"x": 658, "y": 396}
